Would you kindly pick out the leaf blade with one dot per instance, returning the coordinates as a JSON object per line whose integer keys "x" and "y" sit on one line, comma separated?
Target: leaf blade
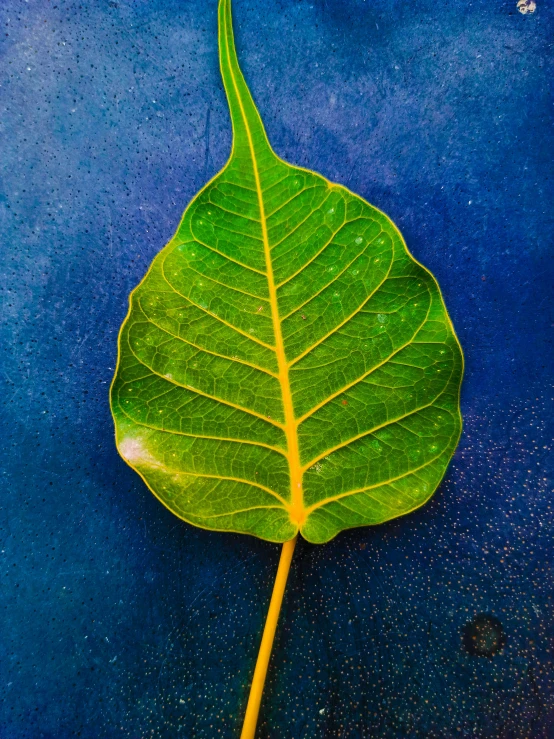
{"x": 286, "y": 365}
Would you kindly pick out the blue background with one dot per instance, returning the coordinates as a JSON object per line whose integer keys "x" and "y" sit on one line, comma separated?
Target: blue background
{"x": 119, "y": 620}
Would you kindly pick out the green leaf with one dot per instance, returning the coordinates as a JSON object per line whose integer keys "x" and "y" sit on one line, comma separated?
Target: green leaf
{"x": 286, "y": 365}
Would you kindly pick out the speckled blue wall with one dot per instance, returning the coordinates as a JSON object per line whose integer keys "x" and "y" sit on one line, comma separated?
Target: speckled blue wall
{"x": 118, "y": 620}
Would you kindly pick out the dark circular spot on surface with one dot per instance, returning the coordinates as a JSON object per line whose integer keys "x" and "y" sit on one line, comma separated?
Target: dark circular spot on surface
{"x": 484, "y": 636}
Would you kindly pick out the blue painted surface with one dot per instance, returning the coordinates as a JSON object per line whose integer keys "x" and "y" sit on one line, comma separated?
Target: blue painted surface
{"x": 119, "y": 620}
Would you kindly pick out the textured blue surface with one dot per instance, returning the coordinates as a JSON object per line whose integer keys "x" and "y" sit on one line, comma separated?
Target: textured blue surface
{"x": 119, "y": 620}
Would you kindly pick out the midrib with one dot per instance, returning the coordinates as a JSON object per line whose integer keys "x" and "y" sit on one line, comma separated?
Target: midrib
{"x": 297, "y": 511}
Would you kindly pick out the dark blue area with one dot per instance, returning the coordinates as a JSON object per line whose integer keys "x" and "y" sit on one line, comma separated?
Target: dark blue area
{"x": 118, "y": 619}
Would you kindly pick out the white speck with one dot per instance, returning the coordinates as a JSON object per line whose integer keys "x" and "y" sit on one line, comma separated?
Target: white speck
{"x": 135, "y": 452}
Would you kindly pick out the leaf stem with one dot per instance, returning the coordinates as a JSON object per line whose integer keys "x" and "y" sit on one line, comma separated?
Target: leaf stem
{"x": 260, "y": 672}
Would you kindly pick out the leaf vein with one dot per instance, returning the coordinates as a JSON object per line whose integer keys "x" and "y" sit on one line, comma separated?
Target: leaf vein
{"x": 328, "y": 284}
{"x": 335, "y": 498}
{"x": 206, "y": 351}
{"x": 201, "y": 436}
{"x": 207, "y": 395}
{"x": 217, "y": 318}
{"x": 346, "y": 320}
